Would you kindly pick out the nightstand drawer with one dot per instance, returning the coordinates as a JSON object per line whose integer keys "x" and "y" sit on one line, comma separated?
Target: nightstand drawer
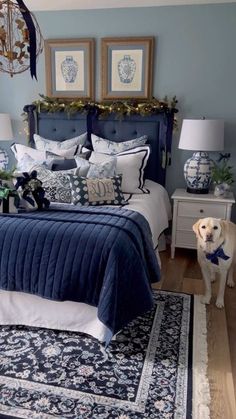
{"x": 201, "y": 210}
{"x": 186, "y": 223}
{"x": 186, "y": 239}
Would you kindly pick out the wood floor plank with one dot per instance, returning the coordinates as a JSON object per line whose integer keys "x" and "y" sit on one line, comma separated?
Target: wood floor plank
{"x": 183, "y": 274}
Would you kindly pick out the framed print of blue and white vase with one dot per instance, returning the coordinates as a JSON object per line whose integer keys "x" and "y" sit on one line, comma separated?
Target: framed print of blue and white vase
{"x": 4, "y": 159}
{"x": 197, "y": 173}
{"x": 69, "y": 69}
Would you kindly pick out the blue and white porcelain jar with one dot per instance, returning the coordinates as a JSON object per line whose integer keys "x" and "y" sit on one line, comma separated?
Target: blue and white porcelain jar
{"x": 69, "y": 69}
{"x": 126, "y": 69}
{"x": 197, "y": 173}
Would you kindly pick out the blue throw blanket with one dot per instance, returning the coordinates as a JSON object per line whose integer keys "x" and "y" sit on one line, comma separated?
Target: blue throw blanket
{"x": 103, "y": 257}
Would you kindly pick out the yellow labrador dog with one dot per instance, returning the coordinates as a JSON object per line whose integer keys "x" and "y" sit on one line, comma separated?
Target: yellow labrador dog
{"x": 216, "y": 249}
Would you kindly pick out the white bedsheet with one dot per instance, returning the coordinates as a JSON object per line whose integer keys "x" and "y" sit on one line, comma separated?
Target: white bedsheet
{"x": 25, "y": 309}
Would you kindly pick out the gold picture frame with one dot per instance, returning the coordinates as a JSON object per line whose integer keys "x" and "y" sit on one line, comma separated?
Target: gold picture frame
{"x": 69, "y": 65}
{"x": 127, "y": 68}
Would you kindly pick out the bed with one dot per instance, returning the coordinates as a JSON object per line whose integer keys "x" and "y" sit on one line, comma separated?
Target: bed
{"x": 126, "y": 264}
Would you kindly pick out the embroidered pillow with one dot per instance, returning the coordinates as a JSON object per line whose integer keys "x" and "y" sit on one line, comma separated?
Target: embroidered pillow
{"x": 55, "y": 184}
{"x": 102, "y": 145}
{"x": 44, "y": 144}
{"x": 105, "y": 191}
{"x": 131, "y": 165}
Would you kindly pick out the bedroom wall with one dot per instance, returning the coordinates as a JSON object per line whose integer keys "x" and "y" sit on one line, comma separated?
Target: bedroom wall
{"x": 194, "y": 59}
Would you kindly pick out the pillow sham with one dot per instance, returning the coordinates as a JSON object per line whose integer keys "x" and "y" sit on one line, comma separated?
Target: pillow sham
{"x": 102, "y": 145}
{"x": 55, "y": 184}
{"x": 131, "y": 165}
{"x": 38, "y": 155}
{"x": 44, "y": 144}
{"x": 105, "y": 191}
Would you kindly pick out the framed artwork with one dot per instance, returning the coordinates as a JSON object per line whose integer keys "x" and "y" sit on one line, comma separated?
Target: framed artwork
{"x": 70, "y": 68}
{"x": 127, "y": 68}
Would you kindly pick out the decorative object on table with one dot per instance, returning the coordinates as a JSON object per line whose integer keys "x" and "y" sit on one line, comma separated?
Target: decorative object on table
{"x": 201, "y": 135}
{"x": 127, "y": 67}
{"x": 5, "y": 135}
{"x": 20, "y": 38}
{"x": 147, "y": 372}
{"x": 31, "y": 192}
{"x": 70, "y": 68}
{"x": 222, "y": 175}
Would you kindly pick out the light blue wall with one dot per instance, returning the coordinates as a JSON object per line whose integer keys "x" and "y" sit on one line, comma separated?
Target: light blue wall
{"x": 195, "y": 59}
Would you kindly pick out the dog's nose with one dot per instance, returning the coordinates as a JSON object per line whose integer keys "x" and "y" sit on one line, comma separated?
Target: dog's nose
{"x": 209, "y": 236}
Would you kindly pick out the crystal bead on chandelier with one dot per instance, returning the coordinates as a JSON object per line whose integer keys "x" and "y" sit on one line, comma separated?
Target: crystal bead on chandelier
{"x": 15, "y": 39}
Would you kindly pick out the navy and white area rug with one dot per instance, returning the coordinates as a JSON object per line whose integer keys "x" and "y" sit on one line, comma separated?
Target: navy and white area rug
{"x": 155, "y": 369}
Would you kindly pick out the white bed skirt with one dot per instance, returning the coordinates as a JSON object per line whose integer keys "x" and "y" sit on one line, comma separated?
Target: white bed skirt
{"x": 30, "y": 310}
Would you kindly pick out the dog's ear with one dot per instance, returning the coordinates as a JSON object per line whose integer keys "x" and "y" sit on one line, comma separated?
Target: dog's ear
{"x": 223, "y": 226}
{"x": 196, "y": 228}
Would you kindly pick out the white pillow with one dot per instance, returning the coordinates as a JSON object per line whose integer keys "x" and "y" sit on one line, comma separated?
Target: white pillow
{"x": 20, "y": 150}
{"x": 102, "y": 145}
{"x": 131, "y": 165}
{"x": 44, "y": 144}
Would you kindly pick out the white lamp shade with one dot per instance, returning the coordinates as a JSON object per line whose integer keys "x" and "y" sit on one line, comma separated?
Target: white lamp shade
{"x": 5, "y": 127}
{"x": 202, "y": 135}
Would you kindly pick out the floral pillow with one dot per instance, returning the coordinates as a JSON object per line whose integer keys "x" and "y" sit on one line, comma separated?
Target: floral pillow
{"x": 56, "y": 147}
{"x": 99, "y": 170}
{"x": 105, "y": 191}
{"x": 102, "y": 145}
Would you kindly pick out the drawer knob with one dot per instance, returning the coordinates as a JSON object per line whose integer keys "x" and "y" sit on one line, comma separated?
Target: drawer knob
{"x": 201, "y": 211}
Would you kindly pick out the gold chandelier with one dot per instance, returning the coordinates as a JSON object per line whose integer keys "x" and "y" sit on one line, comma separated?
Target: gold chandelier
{"x": 20, "y": 38}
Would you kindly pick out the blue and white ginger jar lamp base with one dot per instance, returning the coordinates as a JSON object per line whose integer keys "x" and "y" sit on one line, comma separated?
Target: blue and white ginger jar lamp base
{"x": 197, "y": 173}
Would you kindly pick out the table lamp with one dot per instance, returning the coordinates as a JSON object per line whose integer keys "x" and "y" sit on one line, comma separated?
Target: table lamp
{"x": 201, "y": 135}
{"x": 5, "y": 135}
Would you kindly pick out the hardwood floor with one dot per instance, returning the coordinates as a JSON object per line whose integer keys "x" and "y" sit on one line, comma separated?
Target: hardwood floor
{"x": 183, "y": 274}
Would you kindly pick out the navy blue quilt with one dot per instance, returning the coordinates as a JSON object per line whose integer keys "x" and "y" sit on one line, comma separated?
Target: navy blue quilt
{"x": 103, "y": 257}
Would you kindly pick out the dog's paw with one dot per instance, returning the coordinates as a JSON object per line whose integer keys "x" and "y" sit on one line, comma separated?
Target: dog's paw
{"x": 205, "y": 299}
{"x": 230, "y": 283}
{"x": 219, "y": 303}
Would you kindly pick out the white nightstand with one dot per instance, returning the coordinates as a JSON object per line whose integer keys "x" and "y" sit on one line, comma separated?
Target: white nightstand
{"x": 188, "y": 208}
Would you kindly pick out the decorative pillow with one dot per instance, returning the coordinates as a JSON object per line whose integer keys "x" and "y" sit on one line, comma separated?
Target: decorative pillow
{"x": 19, "y": 150}
{"x": 44, "y": 144}
{"x": 106, "y": 191}
{"x": 55, "y": 184}
{"x": 62, "y": 164}
{"x": 131, "y": 165}
{"x": 102, "y": 145}
{"x": 102, "y": 170}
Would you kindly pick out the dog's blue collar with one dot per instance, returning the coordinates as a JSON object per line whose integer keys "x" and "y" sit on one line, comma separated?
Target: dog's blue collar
{"x": 218, "y": 253}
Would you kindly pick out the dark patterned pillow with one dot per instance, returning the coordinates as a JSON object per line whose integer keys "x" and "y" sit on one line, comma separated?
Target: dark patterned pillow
{"x": 105, "y": 191}
{"x": 55, "y": 184}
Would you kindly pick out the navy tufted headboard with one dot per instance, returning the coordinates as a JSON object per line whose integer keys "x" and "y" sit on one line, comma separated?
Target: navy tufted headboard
{"x": 60, "y": 126}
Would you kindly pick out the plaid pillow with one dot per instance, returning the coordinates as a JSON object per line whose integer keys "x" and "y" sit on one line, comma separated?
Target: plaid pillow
{"x": 92, "y": 191}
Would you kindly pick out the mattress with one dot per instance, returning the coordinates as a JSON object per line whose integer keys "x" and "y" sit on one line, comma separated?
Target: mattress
{"x": 25, "y": 309}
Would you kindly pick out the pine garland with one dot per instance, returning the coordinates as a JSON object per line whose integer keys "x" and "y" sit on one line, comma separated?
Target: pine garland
{"x": 120, "y": 108}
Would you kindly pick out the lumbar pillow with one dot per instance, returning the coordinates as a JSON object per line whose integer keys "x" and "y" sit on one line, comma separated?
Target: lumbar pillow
{"x": 131, "y": 165}
{"x": 56, "y": 147}
{"x": 102, "y": 145}
{"x": 105, "y": 191}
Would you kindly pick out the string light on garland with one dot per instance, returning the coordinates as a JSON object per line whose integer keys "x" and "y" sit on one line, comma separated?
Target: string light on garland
{"x": 20, "y": 38}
